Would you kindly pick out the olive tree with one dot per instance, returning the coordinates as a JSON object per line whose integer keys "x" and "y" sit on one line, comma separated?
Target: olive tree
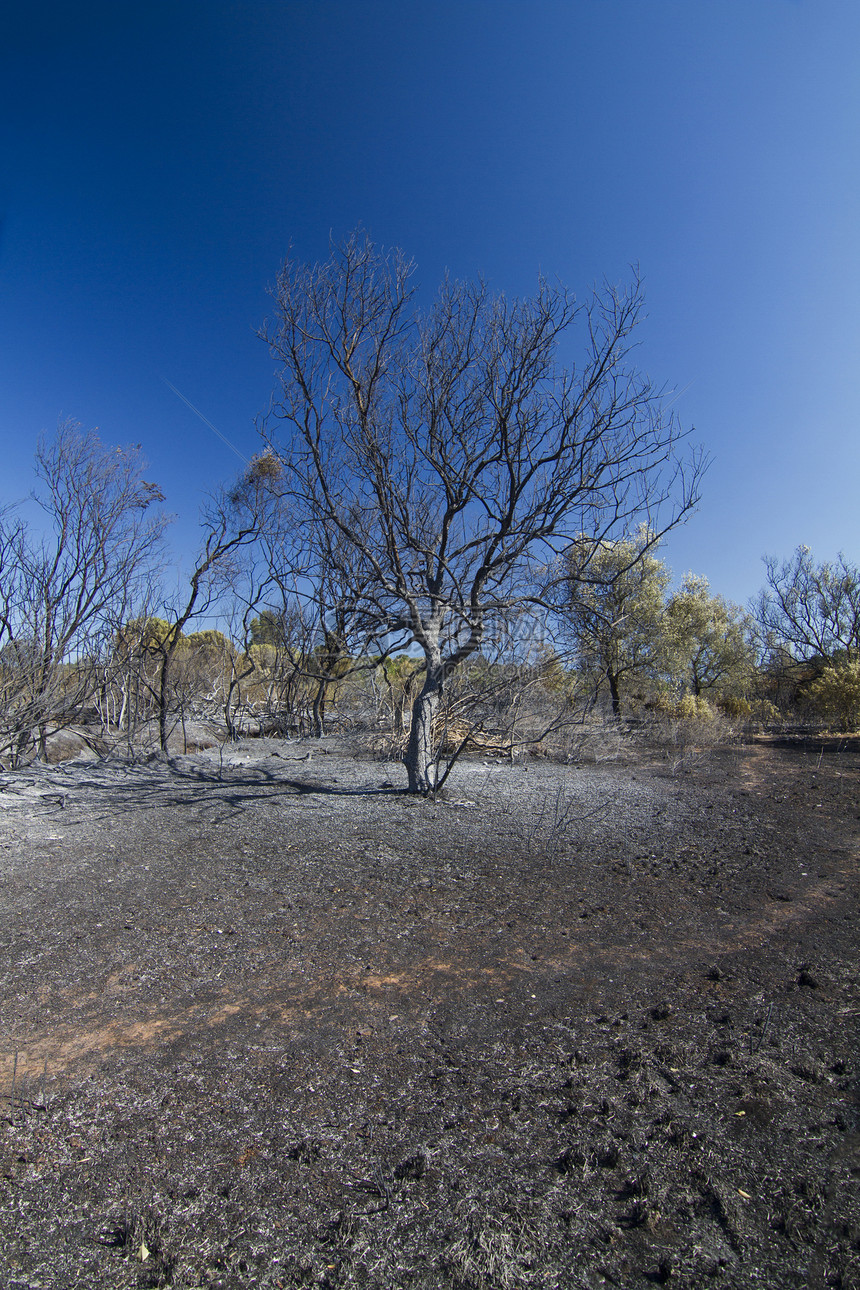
{"x": 612, "y": 608}
{"x": 708, "y": 640}
{"x": 835, "y": 694}
{"x": 451, "y": 449}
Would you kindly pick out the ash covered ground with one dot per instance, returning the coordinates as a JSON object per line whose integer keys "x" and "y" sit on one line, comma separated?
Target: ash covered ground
{"x": 265, "y": 1020}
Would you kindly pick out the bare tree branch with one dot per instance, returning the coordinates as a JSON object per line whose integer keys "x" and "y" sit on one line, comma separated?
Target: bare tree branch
{"x": 450, "y": 449}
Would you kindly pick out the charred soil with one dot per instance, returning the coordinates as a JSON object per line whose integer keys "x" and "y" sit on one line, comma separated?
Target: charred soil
{"x": 271, "y": 1022}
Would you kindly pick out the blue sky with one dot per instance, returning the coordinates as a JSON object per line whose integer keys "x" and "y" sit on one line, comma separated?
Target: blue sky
{"x": 158, "y": 160}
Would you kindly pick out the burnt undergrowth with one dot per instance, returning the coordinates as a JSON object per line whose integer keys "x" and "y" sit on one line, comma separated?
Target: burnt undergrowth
{"x": 567, "y": 1028}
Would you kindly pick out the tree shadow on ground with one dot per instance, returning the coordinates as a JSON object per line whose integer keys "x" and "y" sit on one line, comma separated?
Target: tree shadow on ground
{"x": 169, "y": 785}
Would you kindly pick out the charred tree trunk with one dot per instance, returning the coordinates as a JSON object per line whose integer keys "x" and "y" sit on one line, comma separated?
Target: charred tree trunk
{"x": 615, "y": 694}
{"x": 163, "y": 701}
{"x": 420, "y": 756}
{"x": 167, "y": 655}
{"x": 318, "y": 710}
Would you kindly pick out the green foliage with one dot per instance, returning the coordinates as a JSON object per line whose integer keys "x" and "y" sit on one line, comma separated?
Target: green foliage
{"x": 210, "y": 639}
{"x": 613, "y": 607}
{"x": 692, "y": 707}
{"x": 707, "y": 641}
{"x": 835, "y": 695}
{"x": 329, "y": 660}
{"x": 764, "y": 711}
{"x": 146, "y": 634}
{"x": 738, "y": 709}
{"x": 553, "y": 677}
{"x": 401, "y": 674}
{"x": 399, "y": 667}
{"x": 264, "y": 656}
{"x": 268, "y": 629}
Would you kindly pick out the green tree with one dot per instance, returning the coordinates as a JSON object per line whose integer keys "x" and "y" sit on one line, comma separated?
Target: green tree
{"x": 835, "y": 694}
{"x": 210, "y": 639}
{"x": 144, "y": 633}
{"x": 402, "y": 676}
{"x": 613, "y": 608}
{"x": 268, "y": 628}
{"x": 708, "y": 641}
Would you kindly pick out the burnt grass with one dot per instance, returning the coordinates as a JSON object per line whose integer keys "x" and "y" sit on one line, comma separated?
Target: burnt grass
{"x": 266, "y": 1022}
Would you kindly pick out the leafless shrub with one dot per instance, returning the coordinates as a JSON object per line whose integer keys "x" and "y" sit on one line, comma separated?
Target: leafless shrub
{"x": 687, "y": 741}
{"x": 64, "y": 591}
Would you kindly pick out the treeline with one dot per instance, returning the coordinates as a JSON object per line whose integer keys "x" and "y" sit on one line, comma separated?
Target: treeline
{"x": 446, "y": 523}
{"x": 792, "y": 655}
{"x": 90, "y": 637}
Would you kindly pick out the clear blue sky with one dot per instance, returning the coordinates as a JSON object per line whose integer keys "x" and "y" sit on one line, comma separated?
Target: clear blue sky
{"x": 157, "y": 160}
